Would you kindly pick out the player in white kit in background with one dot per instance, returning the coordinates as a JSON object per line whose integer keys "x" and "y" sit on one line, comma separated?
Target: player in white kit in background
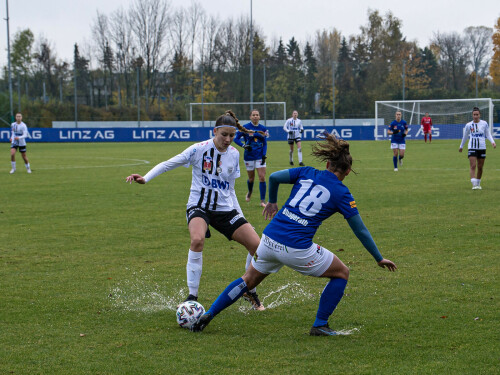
{"x": 477, "y": 131}
{"x": 212, "y": 199}
{"x": 19, "y": 132}
{"x": 293, "y": 126}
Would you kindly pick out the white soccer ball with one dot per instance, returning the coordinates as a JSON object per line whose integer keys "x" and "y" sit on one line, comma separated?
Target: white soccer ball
{"x": 188, "y": 313}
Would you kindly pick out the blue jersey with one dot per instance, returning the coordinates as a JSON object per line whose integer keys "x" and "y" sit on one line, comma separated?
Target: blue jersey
{"x": 402, "y": 126}
{"x": 315, "y": 196}
{"x": 257, "y": 141}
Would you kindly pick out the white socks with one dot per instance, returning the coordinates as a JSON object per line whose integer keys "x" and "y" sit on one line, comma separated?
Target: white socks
{"x": 193, "y": 270}
{"x": 249, "y": 260}
{"x": 27, "y": 166}
{"x": 475, "y": 182}
{"x": 13, "y": 163}
{"x": 299, "y": 150}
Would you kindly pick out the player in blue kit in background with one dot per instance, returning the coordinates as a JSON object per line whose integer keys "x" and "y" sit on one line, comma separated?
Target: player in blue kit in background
{"x": 398, "y": 129}
{"x": 255, "y": 145}
{"x": 288, "y": 239}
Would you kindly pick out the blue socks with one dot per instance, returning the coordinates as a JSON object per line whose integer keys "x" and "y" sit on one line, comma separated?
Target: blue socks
{"x": 262, "y": 188}
{"x": 230, "y": 295}
{"x": 331, "y": 296}
{"x": 395, "y": 161}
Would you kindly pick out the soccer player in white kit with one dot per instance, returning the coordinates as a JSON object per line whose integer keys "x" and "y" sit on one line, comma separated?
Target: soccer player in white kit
{"x": 19, "y": 132}
{"x": 212, "y": 200}
{"x": 293, "y": 126}
{"x": 477, "y": 131}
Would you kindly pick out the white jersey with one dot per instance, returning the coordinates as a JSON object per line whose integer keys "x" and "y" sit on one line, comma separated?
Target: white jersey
{"x": 294, "y": 126}
{"x": 20, "y": 131}
{"x": 214, "y": 174}
{"x": 477, "y": 133}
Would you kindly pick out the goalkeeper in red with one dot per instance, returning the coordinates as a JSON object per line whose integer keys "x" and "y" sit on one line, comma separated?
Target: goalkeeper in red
{"x": 426, "y": 125}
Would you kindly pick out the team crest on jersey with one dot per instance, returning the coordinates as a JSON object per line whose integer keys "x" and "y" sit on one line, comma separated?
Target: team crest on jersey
{"x": 207, "y": 163}
{"x": 353, "y": 204}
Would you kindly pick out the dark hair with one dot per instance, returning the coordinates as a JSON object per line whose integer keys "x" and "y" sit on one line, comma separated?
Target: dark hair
{"x": 254, "y": 110}
{"x": 230, "y": 119}
{"x": 334, "y": 150}
{"x": 475, "y": 109}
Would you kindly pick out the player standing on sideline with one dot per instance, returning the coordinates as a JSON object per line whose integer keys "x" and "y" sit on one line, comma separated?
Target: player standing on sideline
{"x": 426, "y": 125}
{"x": 212, "y": 199}
{"x": 288, "y": 238}
{"x": 18, "y": 140}
{"x": 255, "y": 154}
{"x": 293, "y": 126}
{"x": 477, "y": 130}
{"x": 398, "y": 129}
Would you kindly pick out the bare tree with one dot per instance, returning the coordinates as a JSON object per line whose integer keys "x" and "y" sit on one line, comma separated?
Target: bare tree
{"x": 196, "y": 16}
{"x": 121, "y": 36}
{"x": 149, "y": 20}
{"x": 478, "y": 41}
{"x": 210, "y": 28}
{"x": 452, "y": 56}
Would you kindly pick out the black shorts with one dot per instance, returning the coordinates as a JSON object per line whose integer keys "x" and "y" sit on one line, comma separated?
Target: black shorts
{"x": 480, "y": 154}
{"x": 291, "y": 141}
{"x": 226, "y": 222}
{"x": 21, "y": 148}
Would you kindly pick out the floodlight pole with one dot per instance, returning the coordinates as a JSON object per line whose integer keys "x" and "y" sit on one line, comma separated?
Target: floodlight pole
{"x": 333, "y": 92}
{"x": 9, "y": 67}
{"x": 251, "y": 55}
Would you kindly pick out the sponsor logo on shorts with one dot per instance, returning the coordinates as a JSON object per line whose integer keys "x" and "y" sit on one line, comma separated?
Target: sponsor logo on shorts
{"x": 274, "y": 245}
{"x": 234, "y": 219}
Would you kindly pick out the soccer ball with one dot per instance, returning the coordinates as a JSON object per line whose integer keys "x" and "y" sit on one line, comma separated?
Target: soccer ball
{"x": 188, "y": 313}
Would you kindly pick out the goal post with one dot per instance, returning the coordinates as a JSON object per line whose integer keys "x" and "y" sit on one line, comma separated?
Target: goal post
{"x": 268, "y": 110}
{"x": 449, "y": 116}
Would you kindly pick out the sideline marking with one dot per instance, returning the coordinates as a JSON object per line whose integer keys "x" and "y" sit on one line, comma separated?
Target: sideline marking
{"x": 139, "y": 162}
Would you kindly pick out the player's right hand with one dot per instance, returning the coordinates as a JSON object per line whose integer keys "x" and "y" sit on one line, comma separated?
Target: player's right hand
{"x": 290, "y": 134}
{"x": 395, "y": 131}
{"x": 387, "y": 263}
{"x": 270, "y": 210}
{"x": 137, "y": 178}
{"x": 247, "y": 148}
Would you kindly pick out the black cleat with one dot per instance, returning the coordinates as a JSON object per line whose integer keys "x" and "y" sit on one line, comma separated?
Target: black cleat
{"x": 322, "y": 331}
{"x": 291, "y": 163}
{"x": 202, "y": 322}
{"x": 253, "y": 298}
{"x": 191, "y": 298}
{"x": 302, "y": 164}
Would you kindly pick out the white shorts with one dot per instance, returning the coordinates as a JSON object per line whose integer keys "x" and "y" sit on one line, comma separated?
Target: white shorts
{"x": 272, "y": 255}
{"x": 401, "y": 146}
{"x": 252, "y": 164}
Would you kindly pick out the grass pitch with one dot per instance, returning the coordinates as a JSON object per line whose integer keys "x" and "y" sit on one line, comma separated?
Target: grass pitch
{"x": 91, "y": 269}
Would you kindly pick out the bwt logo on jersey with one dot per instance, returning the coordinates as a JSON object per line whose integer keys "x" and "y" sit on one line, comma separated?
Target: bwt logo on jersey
{"x": 216, "y": 184}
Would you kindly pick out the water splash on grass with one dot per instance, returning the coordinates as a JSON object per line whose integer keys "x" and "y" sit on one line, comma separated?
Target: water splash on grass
{"x": 141, "y": 294}
{"x": 284, "y": 294}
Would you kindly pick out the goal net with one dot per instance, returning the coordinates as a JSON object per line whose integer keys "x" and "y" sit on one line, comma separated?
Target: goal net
{"x": 210, "y": 111}
{"x": 449, "y": 116}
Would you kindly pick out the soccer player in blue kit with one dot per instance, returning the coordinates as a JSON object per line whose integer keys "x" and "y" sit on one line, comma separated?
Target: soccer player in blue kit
{"x": 288, "y": 238}
{"x": 255, "y": 145}
{"x": 398, "y": 130}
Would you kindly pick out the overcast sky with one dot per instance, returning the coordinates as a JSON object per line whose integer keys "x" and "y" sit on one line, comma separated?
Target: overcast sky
{"x": 66, "y": 22}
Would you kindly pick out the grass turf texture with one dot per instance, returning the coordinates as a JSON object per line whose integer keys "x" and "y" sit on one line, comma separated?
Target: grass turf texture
{"x": 91, "y": 269}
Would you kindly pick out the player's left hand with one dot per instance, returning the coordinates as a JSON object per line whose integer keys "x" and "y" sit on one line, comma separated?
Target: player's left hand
{"x": 403, "y": 135}
{"x": 460, "y": 149}
{"x": 264, "y": 159}
{"x": 270, "y": 210}
{"x": 494, "y": 145}
{"x": 137, "y": 178}
{"x": 387, "y": 263}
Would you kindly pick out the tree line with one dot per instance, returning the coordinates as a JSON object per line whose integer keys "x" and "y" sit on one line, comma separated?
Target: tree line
{"x": 161, "y": 59}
